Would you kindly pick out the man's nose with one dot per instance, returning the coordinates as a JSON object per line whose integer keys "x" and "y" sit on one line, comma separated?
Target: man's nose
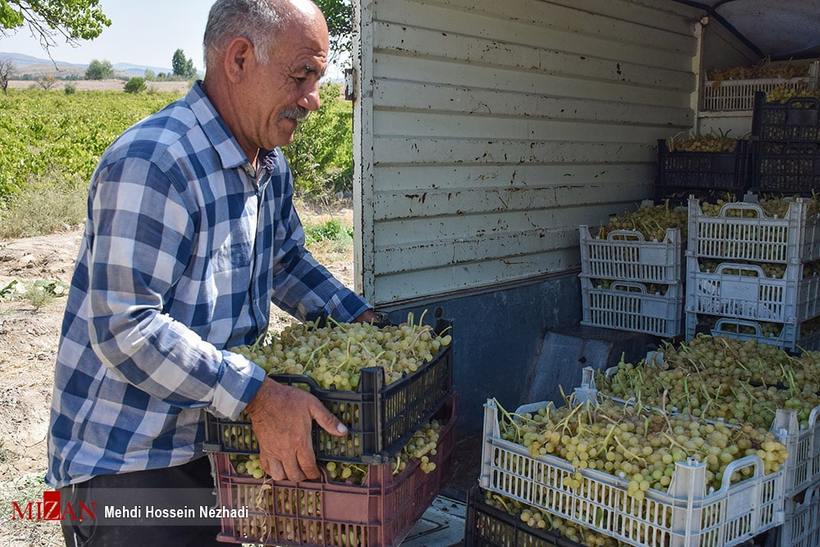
{"x": 311, "y": 100}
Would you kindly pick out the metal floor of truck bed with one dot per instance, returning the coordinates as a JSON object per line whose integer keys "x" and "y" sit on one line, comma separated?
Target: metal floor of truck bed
{"x": 442, "y": 525}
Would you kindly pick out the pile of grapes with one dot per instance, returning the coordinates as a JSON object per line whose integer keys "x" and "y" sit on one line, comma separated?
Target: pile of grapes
{"x": 334, "y": 355}
{"x": 651, "y": 221}
{"x": 534, "y": 518}
{"x": 713, "y": 142}
{"x": 421, "y": 447}
{"x": 636, "y": 444}
{"x": 782, "y": 94}
{"x": 739, "y": 382}
{"x": 766, "y": 70}
{"x": 773, "y": 206}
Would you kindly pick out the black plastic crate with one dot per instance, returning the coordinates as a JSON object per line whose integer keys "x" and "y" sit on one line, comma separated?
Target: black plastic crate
{"x": 380, "y": 419}
{"x": 487, "y": 526}
{"x": 704, "y": 174}
{"x": 787, "y": 168}
{"x": 795, "y": 121}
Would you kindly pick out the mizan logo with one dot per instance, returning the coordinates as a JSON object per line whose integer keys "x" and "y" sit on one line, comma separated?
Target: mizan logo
{"x": 51, "y": 507}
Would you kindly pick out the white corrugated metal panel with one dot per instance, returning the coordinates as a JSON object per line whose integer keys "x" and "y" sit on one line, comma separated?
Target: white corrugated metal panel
{"x": 490, "y": 130}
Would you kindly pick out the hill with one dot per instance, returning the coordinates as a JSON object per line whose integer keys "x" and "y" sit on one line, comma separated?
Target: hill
{"x": 27, "y": 64}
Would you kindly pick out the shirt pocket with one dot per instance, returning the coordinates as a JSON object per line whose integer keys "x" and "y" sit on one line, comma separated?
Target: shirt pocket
{"x": 232, "y": 255}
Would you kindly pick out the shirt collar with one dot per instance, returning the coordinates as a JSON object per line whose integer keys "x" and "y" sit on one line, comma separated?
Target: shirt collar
{"x": 230, "y": 153}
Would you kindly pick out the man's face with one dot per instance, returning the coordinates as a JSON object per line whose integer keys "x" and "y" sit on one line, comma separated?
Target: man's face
{"x": 287, "y": 88}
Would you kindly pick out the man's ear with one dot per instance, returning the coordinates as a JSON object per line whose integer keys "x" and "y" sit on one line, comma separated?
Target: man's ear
{"x": 239, "y": 56}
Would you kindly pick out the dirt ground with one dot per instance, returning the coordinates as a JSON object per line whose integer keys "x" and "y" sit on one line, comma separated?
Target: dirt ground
{"x": 103, "y": 85}
{"x": 28, "y": 349}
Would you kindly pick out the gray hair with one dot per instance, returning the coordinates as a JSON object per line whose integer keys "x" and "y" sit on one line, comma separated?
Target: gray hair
{"x": 257, "y": 20}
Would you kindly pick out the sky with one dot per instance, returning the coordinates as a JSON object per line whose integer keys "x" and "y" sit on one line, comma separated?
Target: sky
{"x": 144, "y": 32}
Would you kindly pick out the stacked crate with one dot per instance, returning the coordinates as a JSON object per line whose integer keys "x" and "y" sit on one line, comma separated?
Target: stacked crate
{"x": 381, "y": 419}
{"x": 704, "y": 174}
{"x": 787, "y": 145}
{"x": 684, "y": 516}
{"x": 489, "y": 526}
{"x": 628, "y": 283}
{"x": 750, "y": 276}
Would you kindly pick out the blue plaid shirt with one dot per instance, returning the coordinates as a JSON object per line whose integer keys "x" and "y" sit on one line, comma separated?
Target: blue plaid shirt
{"x": 184, "y": 249}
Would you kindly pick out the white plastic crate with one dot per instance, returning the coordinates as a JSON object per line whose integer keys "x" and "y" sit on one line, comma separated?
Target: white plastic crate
{"x": 739, "y": 95}
{"x": 744, "y": 291}
{"x": 685, "y": 516}
{"x": 801, "y": 527}
{"x": 803, "y": 463}
{"x": 803, "y": 445}
{"x": 792, "y": 239}
{"x": 789, "y": 338}
{"x": 627, "y": 305}
{"x": 625, "y": 255}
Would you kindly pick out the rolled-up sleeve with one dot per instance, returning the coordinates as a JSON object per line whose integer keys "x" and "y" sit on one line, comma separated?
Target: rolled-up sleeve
{"x": 142, "y": 240}
{"x": 301, "y": 286}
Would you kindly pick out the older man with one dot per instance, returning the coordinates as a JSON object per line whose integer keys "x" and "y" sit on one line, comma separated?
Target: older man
{"x": 191, "y": 234}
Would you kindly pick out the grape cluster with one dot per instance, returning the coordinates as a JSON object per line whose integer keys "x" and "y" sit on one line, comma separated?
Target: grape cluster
{"x": 638, "y": 445}
{"x": 740, "y": 382}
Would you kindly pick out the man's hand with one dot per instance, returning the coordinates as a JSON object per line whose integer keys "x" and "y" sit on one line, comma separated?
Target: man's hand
{"x": 369, "y": 316}
{"x": 281, "y": 417}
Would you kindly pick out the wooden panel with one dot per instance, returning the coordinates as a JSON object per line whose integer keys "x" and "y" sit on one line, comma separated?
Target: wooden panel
{"x": 404, "y": 95}
{"x": 494, "y": 24}
{"x": 415, "y": 150}
{"x": 418, "y": 42}
{"x": 428, "y": 203}
{"x": 403, "y": 68}
{"x": 434, "y": 230}
{"x": 425, "y": 124}
{"x": 412, "y": 178}
{"x": 396, "y": 287}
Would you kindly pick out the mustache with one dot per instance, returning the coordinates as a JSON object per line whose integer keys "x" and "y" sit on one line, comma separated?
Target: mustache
{"x": 296, "y": 113}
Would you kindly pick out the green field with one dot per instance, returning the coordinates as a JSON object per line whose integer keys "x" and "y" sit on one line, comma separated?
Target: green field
{"x": 59, "y": 138}
{"x": 51, "y": 142}
{"x": 50, "y": 134}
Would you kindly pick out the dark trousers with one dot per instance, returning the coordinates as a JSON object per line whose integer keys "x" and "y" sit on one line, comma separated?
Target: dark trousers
{"x": 196, "y": 474}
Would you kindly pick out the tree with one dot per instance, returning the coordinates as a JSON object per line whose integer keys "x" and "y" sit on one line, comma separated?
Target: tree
{"x": 99, "y": 70}
{"x": 150, "y": 75}
{"x": 6, "y": 70}
{"x": 47, "y": 81}
{"x": 73, "y": 20}
{"x": 135, "y": 85}
{"x": 339, "y": 15}
{"x": 183, "y": 67}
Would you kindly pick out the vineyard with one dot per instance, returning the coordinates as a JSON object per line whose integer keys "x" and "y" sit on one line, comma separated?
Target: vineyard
{"x": 43, "y": 133}
{"x": 61, "y": 137}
